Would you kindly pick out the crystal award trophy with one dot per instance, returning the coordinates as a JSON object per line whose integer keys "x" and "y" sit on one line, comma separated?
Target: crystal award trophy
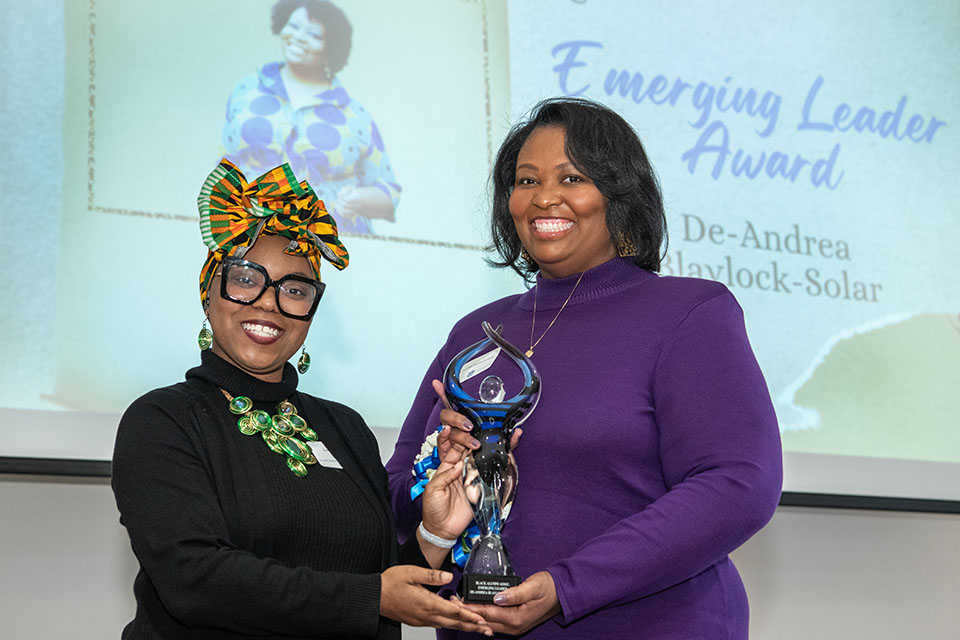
{"x": 490, "y": 472}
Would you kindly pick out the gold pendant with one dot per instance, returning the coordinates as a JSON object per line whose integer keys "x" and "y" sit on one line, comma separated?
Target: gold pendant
{"x": 529, "y": 353}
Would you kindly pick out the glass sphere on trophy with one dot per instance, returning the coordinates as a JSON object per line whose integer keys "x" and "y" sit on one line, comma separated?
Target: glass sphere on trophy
{"x": 490, "y": 472}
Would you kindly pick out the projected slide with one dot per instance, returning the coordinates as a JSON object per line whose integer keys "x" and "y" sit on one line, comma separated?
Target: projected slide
{"x": 810, "y": 166}
{"x": 154, "y": 95}
{"x": 808, "y": 156}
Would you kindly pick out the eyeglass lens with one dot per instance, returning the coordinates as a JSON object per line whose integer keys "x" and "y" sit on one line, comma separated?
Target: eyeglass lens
{"x": 245, "y": 284}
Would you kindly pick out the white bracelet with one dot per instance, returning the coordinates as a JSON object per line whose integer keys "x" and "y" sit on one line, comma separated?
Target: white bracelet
{"x": 436, "y": 540}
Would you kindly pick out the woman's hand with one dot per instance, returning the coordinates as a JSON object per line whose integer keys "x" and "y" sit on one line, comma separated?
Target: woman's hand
{"x": 372, "y": 202}
{"x": 446, "y": 512}
{"x": 349, "y": 202}
{"x": 520, "y": 608}
{"x": 455, "y": 441}
{"x": 404, "y": 599}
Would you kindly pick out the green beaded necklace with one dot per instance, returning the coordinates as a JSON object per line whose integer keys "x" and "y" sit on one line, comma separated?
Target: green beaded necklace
{"x": 281, "y": 432}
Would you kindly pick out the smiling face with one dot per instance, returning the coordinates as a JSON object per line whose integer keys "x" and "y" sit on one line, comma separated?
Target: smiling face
{"x": 560, "y": 215}
{"x": 303, "y": 40}
{"x": 257, "y": 338}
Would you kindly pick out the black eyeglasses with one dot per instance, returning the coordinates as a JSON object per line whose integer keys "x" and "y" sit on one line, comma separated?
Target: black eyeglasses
{"x": 243, "y": 282}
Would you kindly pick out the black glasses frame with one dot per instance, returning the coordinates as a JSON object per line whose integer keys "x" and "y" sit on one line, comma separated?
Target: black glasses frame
{"x": 269, "y": 283}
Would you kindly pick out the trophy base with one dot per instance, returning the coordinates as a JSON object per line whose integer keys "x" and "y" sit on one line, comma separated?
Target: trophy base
{"x": 480, "y": 589}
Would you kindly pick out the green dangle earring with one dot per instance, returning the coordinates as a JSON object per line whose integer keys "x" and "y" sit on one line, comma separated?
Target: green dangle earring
{"x": 205, "y": 337}
{"x": 304, "y": 362}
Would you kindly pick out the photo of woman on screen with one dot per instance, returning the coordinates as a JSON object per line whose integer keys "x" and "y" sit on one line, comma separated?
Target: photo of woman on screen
{"x": 297, "y": 111}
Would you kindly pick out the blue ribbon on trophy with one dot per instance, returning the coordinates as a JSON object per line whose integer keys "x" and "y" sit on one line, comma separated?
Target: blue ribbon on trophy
{"x": 425, "y": 464}
{"x": 461, "y": 551}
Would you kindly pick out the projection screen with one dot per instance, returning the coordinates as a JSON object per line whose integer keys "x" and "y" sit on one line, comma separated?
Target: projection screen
{"x": 808, "y": 155}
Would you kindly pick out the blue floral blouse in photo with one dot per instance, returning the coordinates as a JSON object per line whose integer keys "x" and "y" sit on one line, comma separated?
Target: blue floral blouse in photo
{"x": 331, "y": 143}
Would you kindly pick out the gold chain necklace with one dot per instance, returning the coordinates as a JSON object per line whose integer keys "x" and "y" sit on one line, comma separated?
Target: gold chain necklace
{"x": 534, "y": 323}
{"x": 282, "y": 432}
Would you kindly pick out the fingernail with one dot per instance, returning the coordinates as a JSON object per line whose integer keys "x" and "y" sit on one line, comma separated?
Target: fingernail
{"x": 466, "y": 425}
{"x": 474, "y": 443}
{"x": 445, "y": 575}
{"x": 500, "y": 599}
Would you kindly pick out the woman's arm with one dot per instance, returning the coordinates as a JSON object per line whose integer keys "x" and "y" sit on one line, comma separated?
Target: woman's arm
{"x": 372, "y": 202}
{"x": 180, "y": 536}
{"x": 720, "y": 458}
{"x": 377, "y": 192}
{"x": 422, "y": 419}
{"x": 171, "y": 510}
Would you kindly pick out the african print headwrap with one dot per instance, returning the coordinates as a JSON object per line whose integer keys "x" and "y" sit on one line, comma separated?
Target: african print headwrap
{"x": 233, "y": 214}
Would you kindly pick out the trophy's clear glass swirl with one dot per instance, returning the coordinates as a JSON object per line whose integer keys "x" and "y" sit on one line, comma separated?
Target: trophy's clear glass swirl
{"x": 490, "y": 473}
{"x": 490, "y": 493}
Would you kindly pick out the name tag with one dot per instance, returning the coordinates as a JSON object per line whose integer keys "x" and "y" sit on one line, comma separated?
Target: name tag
{"x": 323, "y": 455}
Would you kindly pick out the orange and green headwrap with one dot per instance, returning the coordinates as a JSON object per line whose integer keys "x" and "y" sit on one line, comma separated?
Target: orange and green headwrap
{"x": 233, "y": 214}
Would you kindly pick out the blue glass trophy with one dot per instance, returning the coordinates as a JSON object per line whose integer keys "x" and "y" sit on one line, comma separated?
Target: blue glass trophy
{"x": 490, "y": 472}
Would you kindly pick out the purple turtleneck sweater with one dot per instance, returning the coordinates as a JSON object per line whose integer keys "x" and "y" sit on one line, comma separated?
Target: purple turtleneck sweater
{"x": 653, "y": 453}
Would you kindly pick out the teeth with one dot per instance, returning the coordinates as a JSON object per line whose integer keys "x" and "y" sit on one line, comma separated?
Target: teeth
{"x": 552, "y": 224}
{"x": 261, "y": 330}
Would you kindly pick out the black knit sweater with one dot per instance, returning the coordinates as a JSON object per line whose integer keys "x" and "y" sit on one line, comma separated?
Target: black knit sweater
{"x": 230, "y": 542}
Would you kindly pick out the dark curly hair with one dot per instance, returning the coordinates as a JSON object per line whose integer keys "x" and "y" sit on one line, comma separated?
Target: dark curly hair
{"x": 338, "y": 32}
{"x": 606, "y": 149}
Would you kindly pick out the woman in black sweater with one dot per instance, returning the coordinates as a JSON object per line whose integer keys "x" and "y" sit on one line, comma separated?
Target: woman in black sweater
{"x": 256, "y": 510}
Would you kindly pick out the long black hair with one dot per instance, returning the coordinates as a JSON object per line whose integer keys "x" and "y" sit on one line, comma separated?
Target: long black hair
{"x": 606, "y": 149}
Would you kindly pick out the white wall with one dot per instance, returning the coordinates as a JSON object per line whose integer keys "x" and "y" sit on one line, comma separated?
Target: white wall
{"x": 66, "y": 569}
{"x": 818, "y": 574}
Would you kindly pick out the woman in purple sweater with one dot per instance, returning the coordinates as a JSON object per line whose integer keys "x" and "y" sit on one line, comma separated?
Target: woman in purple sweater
{"x": 654, "y": 451}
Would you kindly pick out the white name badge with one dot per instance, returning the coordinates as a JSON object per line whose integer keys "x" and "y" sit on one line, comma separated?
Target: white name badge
{"x": 478, "y": 365}
{"x": 323, "y": 455}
